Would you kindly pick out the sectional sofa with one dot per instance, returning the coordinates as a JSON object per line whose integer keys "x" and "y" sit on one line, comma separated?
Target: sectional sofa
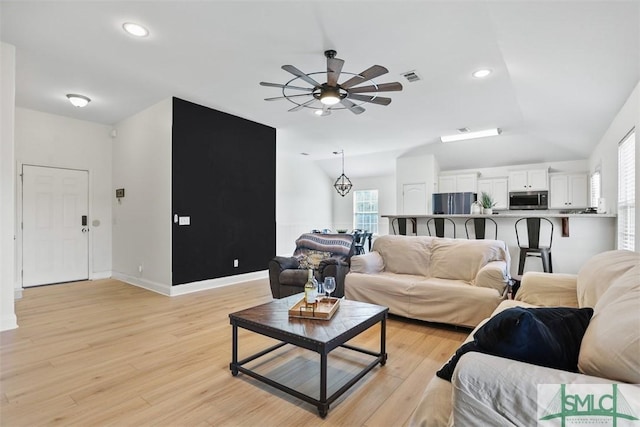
{"x": 454, "y": 281}
{"x": 488, "y": 388}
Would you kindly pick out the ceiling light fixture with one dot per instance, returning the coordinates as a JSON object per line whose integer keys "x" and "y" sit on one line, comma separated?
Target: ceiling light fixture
{"x": 471, "y": 135}
{"x": 78, "y": 100}
{"x": 330, "y": 96}
{"x": 482, "y": 73}
{"x": 136, "y": 30}
{"x": 322, "y": 113}
{"x": 343, "y": 184}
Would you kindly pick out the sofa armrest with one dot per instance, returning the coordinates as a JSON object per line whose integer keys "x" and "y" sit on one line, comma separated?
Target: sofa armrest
{"x": 490, "y": 390}
{"x": 276, "y": 266}
{"x": 492, "y": 275}
{"x": 371, "y": 263}
{"x": 548, "y": 289}
{"x": 284, "y": 263}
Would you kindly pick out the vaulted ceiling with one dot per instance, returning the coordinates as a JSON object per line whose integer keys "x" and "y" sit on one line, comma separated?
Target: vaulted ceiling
{"x": 561, "y": 69}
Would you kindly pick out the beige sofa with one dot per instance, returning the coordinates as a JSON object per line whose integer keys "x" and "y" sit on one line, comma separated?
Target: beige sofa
{"x": 490, "y": 390}
{"x": 454, "y": 281}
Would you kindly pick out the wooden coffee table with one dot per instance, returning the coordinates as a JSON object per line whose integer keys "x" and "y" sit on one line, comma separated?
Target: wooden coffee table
{"x": 321, "y": 336}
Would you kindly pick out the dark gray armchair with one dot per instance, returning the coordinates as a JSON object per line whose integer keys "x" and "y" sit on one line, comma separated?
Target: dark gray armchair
{"x": 327, "y": 254}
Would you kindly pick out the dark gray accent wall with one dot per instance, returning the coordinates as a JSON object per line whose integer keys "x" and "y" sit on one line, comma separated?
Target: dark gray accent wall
{"x": 224, "y": 179}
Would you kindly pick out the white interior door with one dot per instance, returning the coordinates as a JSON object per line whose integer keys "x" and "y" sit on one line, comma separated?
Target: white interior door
{"x": 55, "y": 231}
{"x": 414, "y": 199}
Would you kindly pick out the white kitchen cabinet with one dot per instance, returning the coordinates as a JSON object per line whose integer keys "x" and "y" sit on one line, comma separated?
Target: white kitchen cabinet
{"x": 498, "y": 188}
{"x": 461, "y": 183}
{"x": 528, "y": 180}
{"x": 568, "y": 191}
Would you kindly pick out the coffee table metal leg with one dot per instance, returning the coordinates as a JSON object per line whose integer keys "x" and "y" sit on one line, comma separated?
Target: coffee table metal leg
{"x": 383, "y": 343}
{"x": 234, "y": 350}
{"x": 323, "y": 407}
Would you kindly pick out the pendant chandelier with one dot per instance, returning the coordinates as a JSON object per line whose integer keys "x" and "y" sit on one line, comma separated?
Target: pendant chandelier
{"x": 343, "y": 184}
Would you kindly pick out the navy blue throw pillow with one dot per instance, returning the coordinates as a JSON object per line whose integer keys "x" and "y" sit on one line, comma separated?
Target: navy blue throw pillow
{"x": 548, "y": 337}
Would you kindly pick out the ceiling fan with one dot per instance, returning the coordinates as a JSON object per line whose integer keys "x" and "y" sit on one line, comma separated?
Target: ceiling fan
{"x": 325, "y": 97}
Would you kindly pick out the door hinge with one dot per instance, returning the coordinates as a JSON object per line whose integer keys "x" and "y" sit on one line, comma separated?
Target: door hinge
{"x": 22, "y": 226}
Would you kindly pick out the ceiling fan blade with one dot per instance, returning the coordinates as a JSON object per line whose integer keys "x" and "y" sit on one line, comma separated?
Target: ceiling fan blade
{"x": 355, "y": 109}
{"x": 276, "y": 98}
{"x": 368, "y": 74}
{"x": 307, "y": 89}
{"x": 301, "y": 106}
{"x": 372, "y": 99}
{"x": 293, "y": 70}
{"x": 334, "y": 68}
{"x": 384, "y": 87}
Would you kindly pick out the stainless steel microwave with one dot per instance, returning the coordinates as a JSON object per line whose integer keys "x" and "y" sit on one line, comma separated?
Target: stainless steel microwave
{"x": 529, "y": 200}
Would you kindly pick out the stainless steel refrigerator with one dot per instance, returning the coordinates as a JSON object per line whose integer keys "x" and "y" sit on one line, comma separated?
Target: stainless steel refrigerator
{"x": 453, "y": 203}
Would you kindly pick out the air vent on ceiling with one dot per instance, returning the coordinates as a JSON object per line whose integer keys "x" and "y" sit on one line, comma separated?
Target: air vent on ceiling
{"x": 411, "y": 76}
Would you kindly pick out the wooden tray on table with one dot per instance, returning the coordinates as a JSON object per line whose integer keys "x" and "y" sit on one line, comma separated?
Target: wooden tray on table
{"x": 322, "y": 310}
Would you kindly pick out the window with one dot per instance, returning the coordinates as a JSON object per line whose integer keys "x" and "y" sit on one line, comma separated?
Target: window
{"x": 595, "y": 189}
{"x": 627, "y": 192}
{"x": 365, "y": 210}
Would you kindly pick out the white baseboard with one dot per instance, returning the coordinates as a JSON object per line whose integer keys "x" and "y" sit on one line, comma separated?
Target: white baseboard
{"x": 202, "y": 285}
{"x": 143, "y": 283}
{"x": 100, "y": 275}
{"x": 9, "y": 321}
{"x": 17, "y": 292}
{"x": 191, "y": 287}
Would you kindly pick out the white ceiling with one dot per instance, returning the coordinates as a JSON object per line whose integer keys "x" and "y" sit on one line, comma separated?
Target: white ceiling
{"x": 562, "y": 70}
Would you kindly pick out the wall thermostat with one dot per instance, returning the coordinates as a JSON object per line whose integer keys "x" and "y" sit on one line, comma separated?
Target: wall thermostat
{"x": 119, "y": 192}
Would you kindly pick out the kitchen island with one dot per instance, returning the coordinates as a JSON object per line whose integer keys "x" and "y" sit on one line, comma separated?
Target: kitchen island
{"x": 576, "y": 236}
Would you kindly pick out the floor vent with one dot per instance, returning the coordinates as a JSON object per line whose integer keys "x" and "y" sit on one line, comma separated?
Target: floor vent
{"x": 411, "y": 76}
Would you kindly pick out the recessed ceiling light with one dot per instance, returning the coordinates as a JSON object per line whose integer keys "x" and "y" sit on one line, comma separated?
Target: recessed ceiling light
{"x": 479, "y": 74}
{"x": 471, "y": 135}
{"x": 78, "y": 100}
{"x": 135, "y": 29}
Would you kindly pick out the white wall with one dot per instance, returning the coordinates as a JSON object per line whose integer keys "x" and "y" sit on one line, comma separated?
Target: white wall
{"x": 416, "y": 170}
{"x": 343, "y": 206}
{"x": 142, "y": 219}
{"x": 49, "y": 140}
{"x": 605, "y": 156}
{"x": 7, "y": 187}
{"x": 303, "y": 194}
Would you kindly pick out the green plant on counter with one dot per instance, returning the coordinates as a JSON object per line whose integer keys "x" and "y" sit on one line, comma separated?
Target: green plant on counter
{"x": 486, "y": 200}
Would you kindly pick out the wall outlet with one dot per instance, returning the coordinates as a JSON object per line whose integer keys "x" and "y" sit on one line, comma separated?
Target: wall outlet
{"x": 235, "y": 262}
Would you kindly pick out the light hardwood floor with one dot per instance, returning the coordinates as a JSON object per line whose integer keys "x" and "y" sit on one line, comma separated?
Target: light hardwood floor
{"x": 107, "y": 353}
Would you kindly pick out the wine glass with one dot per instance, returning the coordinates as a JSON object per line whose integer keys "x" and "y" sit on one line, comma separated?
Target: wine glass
{"x": 329, "y": 285}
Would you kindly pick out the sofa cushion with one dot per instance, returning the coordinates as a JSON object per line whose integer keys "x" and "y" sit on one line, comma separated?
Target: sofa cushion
{"x": 548, "y": 337}
{"x": 595, "y": 277}
{"x": 312, "y": 258}
{"x": 611, "y": 344}
{"x": 462, "y": 259}
{"x": 371, "y": 263}
{"x": 404, "y": 254}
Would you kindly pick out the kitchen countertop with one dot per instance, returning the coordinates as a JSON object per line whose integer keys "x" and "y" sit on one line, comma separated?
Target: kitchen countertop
{"x": 510, "y": 214}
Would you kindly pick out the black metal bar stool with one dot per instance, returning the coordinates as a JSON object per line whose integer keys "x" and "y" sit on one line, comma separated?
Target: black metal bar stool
{"x": 439, "y": 226}
{"x": 533, "y": 248}
{"x": 480, "y": 227}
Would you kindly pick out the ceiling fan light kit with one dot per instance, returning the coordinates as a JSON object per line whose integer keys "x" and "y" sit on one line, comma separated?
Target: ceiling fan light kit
{"x": 471, "y": 135}
{"x": 333, "y": 95}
